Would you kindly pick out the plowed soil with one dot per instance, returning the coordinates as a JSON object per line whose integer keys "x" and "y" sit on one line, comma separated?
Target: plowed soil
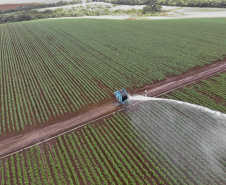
{"x": 43, "y": 132}
{"x": 13, "y": 6}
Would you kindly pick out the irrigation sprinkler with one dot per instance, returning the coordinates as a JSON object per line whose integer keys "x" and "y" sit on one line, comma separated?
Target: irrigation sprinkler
{"x": 146, "y": 93}
{"x": 121, "y": 96}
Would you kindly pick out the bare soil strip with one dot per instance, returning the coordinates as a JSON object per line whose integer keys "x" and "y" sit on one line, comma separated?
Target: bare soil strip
{"x": 13, "y": 6}
{"x": 23, "y": 140}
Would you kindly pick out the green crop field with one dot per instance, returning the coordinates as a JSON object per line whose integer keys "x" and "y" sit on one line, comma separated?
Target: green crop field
{"x": 139, "y": 145}
{"x": 49, "y": 68}
{"x": 209, "y": 93}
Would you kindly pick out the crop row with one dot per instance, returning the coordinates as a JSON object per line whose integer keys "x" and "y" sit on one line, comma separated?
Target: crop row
{"x": 156, "y": 144}
{"x": 50, "y": 68}
{"x": 210, "y": 93}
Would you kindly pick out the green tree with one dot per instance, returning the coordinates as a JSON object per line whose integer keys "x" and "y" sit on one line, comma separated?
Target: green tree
{"x": 152, "y": 7}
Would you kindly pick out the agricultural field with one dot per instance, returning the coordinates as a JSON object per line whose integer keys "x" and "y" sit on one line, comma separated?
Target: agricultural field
{"x": 54, "y": 68}
{"x": 209, "y": 93}
{"x": 139, "y": 145}
{"x": 12, "y": 6}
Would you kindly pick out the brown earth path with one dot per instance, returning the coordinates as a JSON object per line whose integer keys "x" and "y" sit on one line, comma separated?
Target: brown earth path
{"x": 25, "y": 140}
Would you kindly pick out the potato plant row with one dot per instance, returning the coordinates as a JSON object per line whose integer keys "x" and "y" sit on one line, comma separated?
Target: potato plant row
{"x": 153, "y": 143}
{"x": 210, "y": 93}
{"x": 50, "y": 68}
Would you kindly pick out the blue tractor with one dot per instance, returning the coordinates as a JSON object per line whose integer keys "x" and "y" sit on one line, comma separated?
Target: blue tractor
{"x": 121, "y": 96}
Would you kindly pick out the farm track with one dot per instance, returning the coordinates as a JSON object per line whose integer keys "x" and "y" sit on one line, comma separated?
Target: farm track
{"x": 25, "y": 140}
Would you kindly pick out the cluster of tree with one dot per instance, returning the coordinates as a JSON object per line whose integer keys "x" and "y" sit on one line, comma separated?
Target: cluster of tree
{"x": 152, "y": 7}
{"x": 25, "y": 15}
{"x": 194, "y": 3}
{"x": 187, "y": 3}
{"x": 89, "y": 10}
{"x": 125, "y": 2}
{"x": 36, "y": 6}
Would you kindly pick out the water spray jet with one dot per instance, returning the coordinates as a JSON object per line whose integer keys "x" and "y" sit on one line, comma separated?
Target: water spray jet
{"x": 144, "y": 98}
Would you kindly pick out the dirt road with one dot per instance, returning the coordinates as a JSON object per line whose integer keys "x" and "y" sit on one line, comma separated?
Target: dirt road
{"x": 23, "y": 140}
{"x": 175, "y": 82}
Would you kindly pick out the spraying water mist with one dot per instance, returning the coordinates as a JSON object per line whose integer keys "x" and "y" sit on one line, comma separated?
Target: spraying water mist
{"x": 144, "y": 98}
{"x": 192, "y": 136}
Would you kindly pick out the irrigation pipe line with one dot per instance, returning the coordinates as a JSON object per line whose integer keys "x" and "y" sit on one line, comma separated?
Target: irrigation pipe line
{"x": 100, "y": 118}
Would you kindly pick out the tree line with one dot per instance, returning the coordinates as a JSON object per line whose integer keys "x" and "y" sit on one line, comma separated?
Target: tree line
{"x": 80, "y": 11}
{"x": 150, "y": 9}
{"x": 124, "y": 2}
{"x": 187, "y": 3}
{"x": 152, "y": 6}
{"x": 195, "y": 3}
